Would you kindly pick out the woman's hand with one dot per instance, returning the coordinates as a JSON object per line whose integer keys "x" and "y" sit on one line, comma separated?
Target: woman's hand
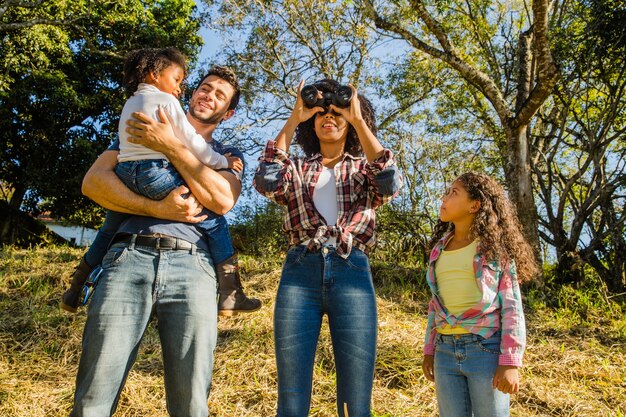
{"x": 506, "y": 379}
{"x": 428, "y": 366}
{"x": 300, "y": 112}
{"x": 153, "y": 134}
{"x": 370, "y": 144}
{"x": 352, "y": 113}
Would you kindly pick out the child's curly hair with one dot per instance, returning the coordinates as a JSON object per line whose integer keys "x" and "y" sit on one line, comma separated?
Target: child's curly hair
{"x": 496, "y": 225}
{"x": 141, "y": 62}
{"x": 308, "y": 140}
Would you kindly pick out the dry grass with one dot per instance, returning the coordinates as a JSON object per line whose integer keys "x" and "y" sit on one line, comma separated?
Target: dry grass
{"x": 574, "y": 366}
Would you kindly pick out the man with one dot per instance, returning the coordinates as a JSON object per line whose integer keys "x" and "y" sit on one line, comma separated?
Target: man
{"x": 158, "y": 264}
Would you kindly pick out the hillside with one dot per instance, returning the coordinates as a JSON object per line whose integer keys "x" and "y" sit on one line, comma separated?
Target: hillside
{"x": 575, "y": 362}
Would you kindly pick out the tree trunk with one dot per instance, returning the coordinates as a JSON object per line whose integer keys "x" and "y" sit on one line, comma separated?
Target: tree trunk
{"x": 519, "y": 181}
{"x": 570, "y": 267}
{"x": 7, "y": 228}
{"x": 617, "y": 278}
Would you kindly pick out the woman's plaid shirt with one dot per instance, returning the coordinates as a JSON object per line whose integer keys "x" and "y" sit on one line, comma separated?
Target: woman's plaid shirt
{"x": 361, "y": 187}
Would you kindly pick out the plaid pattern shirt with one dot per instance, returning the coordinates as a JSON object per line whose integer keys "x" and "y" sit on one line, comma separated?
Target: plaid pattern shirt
{"x": 361, "y": 187}
{"x": 500, "y": 307}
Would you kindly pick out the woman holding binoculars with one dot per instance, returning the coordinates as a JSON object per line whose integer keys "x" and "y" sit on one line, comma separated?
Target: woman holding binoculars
{"x": 330, "y": 194}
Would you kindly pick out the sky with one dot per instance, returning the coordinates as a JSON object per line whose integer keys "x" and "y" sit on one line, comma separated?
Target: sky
{"x": 208, "y": 55}
{"x": 212, "y": 40}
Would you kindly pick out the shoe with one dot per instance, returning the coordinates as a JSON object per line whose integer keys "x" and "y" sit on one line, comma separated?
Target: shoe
{"x": 71, "y": 298}
{"x": 232, "y": 299}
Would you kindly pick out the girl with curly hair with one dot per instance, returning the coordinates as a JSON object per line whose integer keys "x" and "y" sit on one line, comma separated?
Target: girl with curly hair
{"x": 330, "y": 194}
{"x": 476, "y": 335}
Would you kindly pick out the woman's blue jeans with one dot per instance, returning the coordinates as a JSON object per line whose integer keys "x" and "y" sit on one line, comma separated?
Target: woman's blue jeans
{"x": 313, "y": 284}
{"x": 178, "y": 288}
{"x": 464, "y": 370}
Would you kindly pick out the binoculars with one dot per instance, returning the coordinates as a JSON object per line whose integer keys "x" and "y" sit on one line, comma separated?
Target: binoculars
{"x": 340, "y": 98}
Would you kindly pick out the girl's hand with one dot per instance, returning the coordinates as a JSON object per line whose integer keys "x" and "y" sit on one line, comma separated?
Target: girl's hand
{"x": 428, "y": 366}
{"x": 506, "y": 379}
{"x": 352, "y": 114}
{"x": 300, "y": 112}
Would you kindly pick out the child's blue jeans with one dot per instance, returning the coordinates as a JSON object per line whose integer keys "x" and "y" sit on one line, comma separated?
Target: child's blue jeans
{"x": 464, "y": 370}
{"x": 155, "y": 179}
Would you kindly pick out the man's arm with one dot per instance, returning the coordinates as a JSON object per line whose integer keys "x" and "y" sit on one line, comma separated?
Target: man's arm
{"x": 102, "y": 185}
{"x": 218, "y": 191}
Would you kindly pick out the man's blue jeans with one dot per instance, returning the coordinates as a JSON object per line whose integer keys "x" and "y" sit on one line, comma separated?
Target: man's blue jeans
{"x": 155, "y": 179}
{"x": 464, "y": 370}
{"x": 313, "y": 284}
{"x": 179, "y": 288}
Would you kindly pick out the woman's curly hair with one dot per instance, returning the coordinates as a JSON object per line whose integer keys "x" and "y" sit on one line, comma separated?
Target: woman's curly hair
{"x": 308, "y": 140}
{"x": 496, "y": 225}
{"x": 141, "y": 62}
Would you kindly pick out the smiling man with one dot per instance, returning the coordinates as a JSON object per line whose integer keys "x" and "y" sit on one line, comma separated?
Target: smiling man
{"x": 158, "y": 264}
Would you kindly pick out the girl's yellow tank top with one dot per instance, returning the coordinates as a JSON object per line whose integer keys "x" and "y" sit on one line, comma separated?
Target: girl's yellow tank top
{"x": 454, "y": 272}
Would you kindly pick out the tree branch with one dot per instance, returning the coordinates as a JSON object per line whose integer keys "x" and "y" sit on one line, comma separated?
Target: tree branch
{"x": 10, "y": 27}
{"x": 472, "y": 75}
{"x": 547, "y": 72}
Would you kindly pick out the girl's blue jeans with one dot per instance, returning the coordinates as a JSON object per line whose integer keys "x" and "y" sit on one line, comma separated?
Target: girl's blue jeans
{"x": 155, "y": 179}
{"x": 313, "y": 284}
{"x": 464, "y": 370}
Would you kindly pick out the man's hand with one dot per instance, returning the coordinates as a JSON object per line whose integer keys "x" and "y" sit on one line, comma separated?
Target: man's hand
{"x": 180, "y": 206}
{"x": 506, "y": 379}
{"x": 428, "y": 366}
{"x": 157, "y": 135}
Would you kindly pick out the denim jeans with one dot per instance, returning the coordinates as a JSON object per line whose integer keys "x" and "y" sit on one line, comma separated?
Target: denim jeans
{"x": 100, "y": 244}
{"x": 178, "y": 288}
{"x": 464, "y": 370}
{"x": 313, "y": 284}
{"x": 155, "y": 179}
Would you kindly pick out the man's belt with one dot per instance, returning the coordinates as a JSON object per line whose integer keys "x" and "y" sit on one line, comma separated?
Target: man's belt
{"x": 157, "y": 242}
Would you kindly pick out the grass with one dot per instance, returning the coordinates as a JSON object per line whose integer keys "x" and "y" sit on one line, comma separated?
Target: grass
{"x": 575, "y": 364}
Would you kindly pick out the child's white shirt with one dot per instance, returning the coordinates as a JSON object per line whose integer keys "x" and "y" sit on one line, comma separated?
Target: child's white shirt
{"x": 147, "y": 99}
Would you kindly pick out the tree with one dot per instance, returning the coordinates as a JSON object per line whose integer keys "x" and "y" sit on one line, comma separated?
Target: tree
{"x": 471, "y": 90}
{"x": 580, "y": 162}
{"x": 60, "y": 95}
{"x": 272, "y": 45}
{"x": 498, "y": 51}
{"x": 39, "y": 17}
{"x": 275, "y": 44}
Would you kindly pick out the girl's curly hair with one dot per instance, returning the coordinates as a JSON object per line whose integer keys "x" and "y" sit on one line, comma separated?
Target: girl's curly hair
{"x": 496, "y": 225}
{"x": 140, "y": 63}
{"x": 308, "y": 140}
